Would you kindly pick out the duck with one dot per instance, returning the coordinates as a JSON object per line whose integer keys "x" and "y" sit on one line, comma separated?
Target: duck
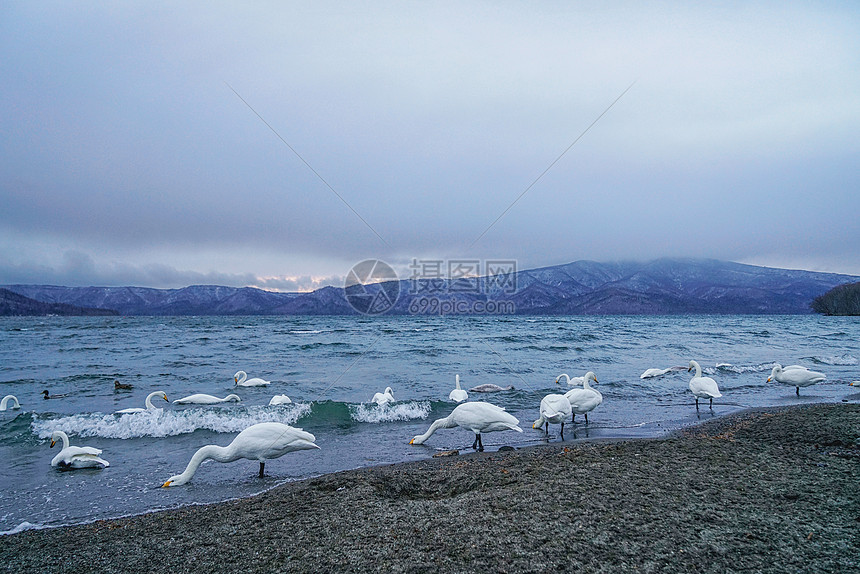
{"x": 260, "y": 442}
{"x": 117, "y": 386}
{"x": 795, "y": 377}
{"x": 280, "y": 400}
{"x": 583, "y": 401}
{"x": 555, "y": 409}
{"x": 203, "y": 399}
{"x": 74, "y": 457}
{"x": 383, "y": 398}
{"x": 242, "y": 380}
{"x": 479, "y": 417}
{"x": 458, "y": 395}
{"x": 148, "y": 403}
{"x": 6, "y": 400}
{"x": 46, "y": 395}
{"x": 703, "y": 387}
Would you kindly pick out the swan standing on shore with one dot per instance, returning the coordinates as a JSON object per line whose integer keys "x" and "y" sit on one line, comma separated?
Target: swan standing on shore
{"x": 553, "y": 409}
{"x": 458, "y": 395}
{"x": 148, "y": 403}
{"x": 703, "y": 387}
{"x": 583, "y": 401}
{"x": 795, "y": 376}
{"x": 75, "y": 456}
{"x": 203, "y": 399}
{"x": 383, "y": 398}
{"x": 260, "y": 442}
{"x": 479, "y": 417}
{"x": 6, "y": 400}
{"x": 242, "y": 380}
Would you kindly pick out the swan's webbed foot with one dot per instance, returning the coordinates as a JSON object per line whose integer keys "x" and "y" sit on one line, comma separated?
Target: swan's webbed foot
{"x": 262, "y": 464}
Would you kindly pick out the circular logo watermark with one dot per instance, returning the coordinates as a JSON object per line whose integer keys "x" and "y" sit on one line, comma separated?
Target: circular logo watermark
{"x": 371, "y": 287}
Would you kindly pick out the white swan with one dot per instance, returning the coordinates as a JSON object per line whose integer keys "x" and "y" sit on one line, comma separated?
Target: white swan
{"x": 458, "y": 395}
{"x": 703, "y": 387}
{"x": 6, "y": 400}
{"x": 553, "y": 409}
{"x": 242, "y": 380}
{"x": 583, "y": 401}
{"x": 650, "y": 373}
{"x": 479, "y": 417}
{"x": 280, "y": 400}
{"x": 571, "y": 381}
{"x": 261, "y": 442}
{"x": 383, "y": 398}
{"x": 795, "y": 377}
{"x": 203, "y": 399}
{"x": 148, "y": 403}
{"x": 75, "y": 456}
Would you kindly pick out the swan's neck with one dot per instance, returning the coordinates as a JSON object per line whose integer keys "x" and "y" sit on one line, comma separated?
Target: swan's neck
{"x": 566, "y": 378}
{"x": 218, "y": 453}
{"x": 698, "y": 369}
{"x": 442, "y": 423}
{"x": 457, "y": 382}
{"x": 243, "y": 378}
{"x": 8, "y": 398}
{"x": 148, "y": 403}
{"x": 65, "y": 438}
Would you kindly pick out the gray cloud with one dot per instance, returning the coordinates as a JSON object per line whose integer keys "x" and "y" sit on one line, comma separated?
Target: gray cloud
{"x": 122, "y": 141}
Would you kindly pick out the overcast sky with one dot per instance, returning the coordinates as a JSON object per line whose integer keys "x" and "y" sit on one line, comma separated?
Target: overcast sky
{"x": 127, "y": 157}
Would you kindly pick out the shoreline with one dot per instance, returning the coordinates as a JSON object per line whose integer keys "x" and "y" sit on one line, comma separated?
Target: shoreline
{"x": 769, "y": 489}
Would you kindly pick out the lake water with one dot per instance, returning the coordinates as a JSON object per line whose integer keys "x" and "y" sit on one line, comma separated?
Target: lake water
{"x": 331, "y": 367}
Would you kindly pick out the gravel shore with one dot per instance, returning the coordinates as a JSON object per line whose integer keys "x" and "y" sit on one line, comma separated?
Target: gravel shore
{"x": 766, "y": 490}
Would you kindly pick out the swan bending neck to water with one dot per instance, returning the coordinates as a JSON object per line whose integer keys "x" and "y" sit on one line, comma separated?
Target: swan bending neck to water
{"x": 260, "y": 442}
{"x": 75, "y": 456}
{"x": 703, "y": 387}
{"x": 479, "y": 417}
{"x": 203, "y": 399}
{"x": 795, "y": 376}
{"x": 458, "y": 394}
{"x": 242, "y": 380}
{"x": 554, "y": 409}
{"x": 6, "y": 400}
{"x": 148, "y": 403}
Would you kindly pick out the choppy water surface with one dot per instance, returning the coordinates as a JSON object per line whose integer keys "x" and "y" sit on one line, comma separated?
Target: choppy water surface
{"x": 331, "y": 367}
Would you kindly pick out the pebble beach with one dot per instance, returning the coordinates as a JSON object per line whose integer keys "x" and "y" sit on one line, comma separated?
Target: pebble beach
{"x": 765, "y": 490}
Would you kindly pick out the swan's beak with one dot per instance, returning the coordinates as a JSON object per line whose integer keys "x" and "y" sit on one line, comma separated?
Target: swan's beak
{"x": 596, "y": 381}
{"x": 769, "y": 379}
{"x": 412, "y": 441}
{"x": 166, "y": 484}
{"x": 165, "y": 398}
{"x": 53, "y": 442}
{"x": 236, "y": 380}
{"x": 689, "y": 369}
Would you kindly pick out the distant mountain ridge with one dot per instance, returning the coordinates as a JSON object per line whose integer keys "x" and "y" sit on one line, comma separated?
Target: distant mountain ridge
{"x": 14, "y": 304}
{"x": 663, "y": 286}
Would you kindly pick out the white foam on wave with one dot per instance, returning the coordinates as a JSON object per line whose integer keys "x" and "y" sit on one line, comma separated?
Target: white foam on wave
{"x": 370, "y": 413}
{"x": 838, "y": 360}
{"x": 22, "y": 527}
{"x": 167, "y": 423}
{"x": 306, "y": 332}
{"x": 738, "y": 369}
